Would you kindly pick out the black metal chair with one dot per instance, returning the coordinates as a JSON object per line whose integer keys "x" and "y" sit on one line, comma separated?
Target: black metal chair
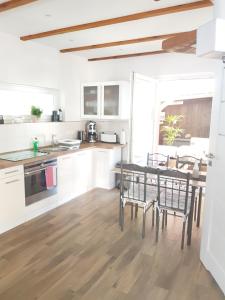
{"x": 188, "y": 162}
{"x": 157, "y": 159}
{"x": 174, "y": 195}
{"x": 136, "y": 189}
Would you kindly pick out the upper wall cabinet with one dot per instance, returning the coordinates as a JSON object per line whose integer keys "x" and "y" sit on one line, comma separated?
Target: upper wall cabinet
{"x": 105, "y": 100}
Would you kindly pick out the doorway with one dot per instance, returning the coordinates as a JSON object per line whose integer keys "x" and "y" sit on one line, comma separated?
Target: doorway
{"x": 153, "y": 100}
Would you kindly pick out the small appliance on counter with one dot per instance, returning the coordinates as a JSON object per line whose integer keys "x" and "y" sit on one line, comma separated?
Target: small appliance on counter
{"x": 109, "y": 137}
{"x": 81, "y": 135}
{"x": 69, "y": 144}
{"x": 57, "y": 115}
{"x": 1, "y": 119}
{"x": 91, "y": 132}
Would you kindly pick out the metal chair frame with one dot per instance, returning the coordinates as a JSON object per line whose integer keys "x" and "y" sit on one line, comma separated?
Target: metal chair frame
{"x": 155, "y": 159}
{"x": 174, "y": 194}
{"x": 182, "y": 161}
{"x": 134, "y": 189}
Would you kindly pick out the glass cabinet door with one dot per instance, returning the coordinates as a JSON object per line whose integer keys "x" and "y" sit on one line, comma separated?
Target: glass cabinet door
{"x": 111, "y": 100}
{"x": 90, "y": 100}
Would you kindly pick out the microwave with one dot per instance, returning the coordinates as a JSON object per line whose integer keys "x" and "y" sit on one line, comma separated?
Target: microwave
{"x": 109, "y": 137}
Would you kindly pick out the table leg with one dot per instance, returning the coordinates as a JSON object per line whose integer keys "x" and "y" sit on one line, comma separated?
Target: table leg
{"x": 120, "y": 212}
{"x": 190, "y": 218}
{"x": 199, "y": 207}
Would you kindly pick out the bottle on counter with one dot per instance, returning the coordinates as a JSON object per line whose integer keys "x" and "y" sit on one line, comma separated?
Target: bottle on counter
{"x": 60, "y": 114}
{"x": 122, "y": 137}
{"x": 195, "y": 173}
{"x": 35, "y": 144}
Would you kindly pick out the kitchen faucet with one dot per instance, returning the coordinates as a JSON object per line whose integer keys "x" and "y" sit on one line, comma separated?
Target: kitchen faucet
{"x": 54, "y": 141}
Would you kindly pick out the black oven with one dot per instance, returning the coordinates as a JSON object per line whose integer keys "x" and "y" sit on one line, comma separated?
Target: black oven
{"x": 36, "y": 183}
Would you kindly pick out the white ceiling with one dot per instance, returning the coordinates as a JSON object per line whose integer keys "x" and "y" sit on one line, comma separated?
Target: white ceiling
{"x": 44, "y": 15}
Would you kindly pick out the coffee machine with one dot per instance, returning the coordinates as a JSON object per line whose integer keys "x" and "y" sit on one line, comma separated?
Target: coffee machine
{"x": 91, "y": 131}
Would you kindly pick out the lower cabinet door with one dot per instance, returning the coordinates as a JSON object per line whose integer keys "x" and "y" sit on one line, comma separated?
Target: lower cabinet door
{"x": 12, "y": 202}
{"x": 83, "y": 173}
{"x": 102, "y": 159}
{"x": 65, "y": 178}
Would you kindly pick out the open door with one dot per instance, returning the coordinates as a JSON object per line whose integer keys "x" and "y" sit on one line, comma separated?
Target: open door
{"x": 213, "y": 235}
{"x": 143, "y": 117}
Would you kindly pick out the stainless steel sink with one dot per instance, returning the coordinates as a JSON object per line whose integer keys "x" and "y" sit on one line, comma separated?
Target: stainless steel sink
{"x": 54, "y": 149}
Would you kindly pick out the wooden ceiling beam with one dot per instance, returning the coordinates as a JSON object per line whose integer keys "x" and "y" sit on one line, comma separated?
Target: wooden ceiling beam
{"x": 128, "y": 55}
{"x": 123, "y": 19}
{"x": 180, "y": 43}
{"x": 120, "y": 43}
{"x": 13, "y": 4}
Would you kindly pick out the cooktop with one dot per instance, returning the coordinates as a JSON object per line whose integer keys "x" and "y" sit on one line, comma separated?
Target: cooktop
{"x": 21, "y": 155}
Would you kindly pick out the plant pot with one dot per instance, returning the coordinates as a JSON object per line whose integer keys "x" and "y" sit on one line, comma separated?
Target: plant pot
{"x": 34, "y": 119}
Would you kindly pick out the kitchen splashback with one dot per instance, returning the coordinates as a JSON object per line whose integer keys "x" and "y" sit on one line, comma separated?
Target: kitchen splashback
{"x": 15, "y": 137}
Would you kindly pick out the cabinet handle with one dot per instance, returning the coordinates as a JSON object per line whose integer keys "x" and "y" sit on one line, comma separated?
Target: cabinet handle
{"x": 11, "y": 172}
{"x": 12, "y": 181}
{"x": 65, "y": 158}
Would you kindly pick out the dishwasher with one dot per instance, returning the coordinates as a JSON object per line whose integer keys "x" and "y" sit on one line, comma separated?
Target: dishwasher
{"x": 36, "y": 188}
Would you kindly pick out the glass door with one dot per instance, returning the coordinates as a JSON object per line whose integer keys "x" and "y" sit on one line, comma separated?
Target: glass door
{"x": 111, "y": 101}
{"x": 90, "y": 101}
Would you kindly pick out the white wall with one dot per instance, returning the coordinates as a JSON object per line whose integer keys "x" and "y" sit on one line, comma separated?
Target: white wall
{"x": 28, "y": 63}
{"x": 33, "y": 64}
{"x": 73, "y": 71}
{"x": 15, "y": 137}
{"x": 155, "y": 66}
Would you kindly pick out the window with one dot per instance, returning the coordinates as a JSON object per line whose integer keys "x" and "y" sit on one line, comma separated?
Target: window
{"x": 16, "y": 100}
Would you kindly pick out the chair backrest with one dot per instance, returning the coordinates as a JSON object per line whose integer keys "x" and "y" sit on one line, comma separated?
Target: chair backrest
{"x": 157, "y": 159}
{"x": 135, "y": 185}
{"x": 188, "y": 162}
{"x": 174, "y": 190}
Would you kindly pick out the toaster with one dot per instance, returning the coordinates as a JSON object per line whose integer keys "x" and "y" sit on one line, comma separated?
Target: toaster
{"x": 108, "y": 137}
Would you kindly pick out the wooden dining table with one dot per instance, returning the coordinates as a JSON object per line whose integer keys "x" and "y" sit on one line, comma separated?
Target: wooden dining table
{"x": 198, "y": 183}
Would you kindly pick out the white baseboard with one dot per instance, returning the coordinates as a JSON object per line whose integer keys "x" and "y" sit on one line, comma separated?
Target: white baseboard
{"x": 211, "y": 264}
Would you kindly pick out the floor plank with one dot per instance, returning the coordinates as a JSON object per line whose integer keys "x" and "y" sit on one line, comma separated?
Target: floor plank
{"x": 77, "y": 251}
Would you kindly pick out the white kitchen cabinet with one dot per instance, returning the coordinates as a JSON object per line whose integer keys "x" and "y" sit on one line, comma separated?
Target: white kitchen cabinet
{"x": 83, "y": 172}
{"x": 75, "y": 175}
{"x": 12, "y": 198}
{"x": 65, "y": 178}
{"x": 90, "y": 100}
{"x": 105, "y": 100}
{"x": 104, "y": 162}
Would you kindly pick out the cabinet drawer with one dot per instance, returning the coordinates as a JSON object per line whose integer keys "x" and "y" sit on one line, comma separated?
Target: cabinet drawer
{"x": 9, "y": 172}
{"x": 12, "y": 181}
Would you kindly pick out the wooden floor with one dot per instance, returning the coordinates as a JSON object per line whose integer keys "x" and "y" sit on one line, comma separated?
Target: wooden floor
{"x": 77, "y": 251}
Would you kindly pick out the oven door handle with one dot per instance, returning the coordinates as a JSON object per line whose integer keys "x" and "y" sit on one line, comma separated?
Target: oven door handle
{"x": 35, "y": 172}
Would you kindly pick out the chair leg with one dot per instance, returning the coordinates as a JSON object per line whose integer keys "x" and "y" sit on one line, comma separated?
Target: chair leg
{"x": 136, "y": 210}
{"x": 195, "y": 210}
{"x": 153, "y": 216}
{"x": 132, "y": 211}
{"x": 143, "y": 225}
{"x": 157, "y": 224}
{"x": 183, "y": 234}
{"x": 166, "y": 215}
{"x": 199, "y": 207}
{"x": 120, "y": 212}
{"x": 163, "y": 219}
{"x": 122, "y": 218}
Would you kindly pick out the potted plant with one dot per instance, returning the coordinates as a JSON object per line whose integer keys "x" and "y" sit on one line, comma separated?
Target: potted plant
{"x": 36, "y": 113}
{"x": 171, "y": 129}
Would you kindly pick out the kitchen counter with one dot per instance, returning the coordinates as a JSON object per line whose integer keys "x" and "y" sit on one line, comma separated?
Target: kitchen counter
{"x": 84, "y": 146}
